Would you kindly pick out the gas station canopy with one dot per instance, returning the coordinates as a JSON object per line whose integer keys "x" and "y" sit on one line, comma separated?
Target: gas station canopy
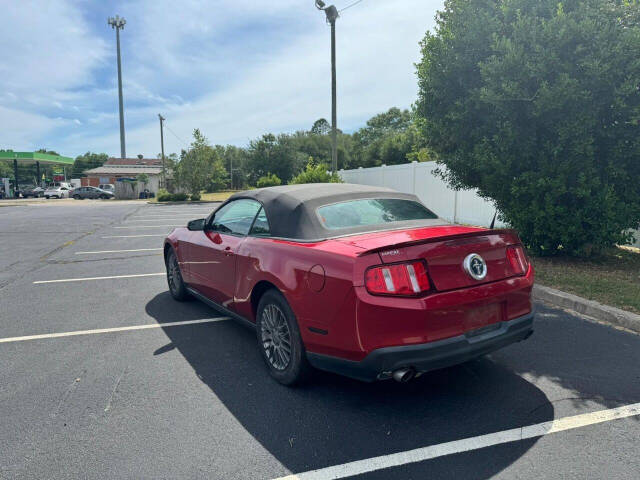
{"x": 35, "y": 157}
{"x": 30, "y": 158}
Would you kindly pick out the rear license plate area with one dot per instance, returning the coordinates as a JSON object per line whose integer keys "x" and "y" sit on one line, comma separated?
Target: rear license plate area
{"x": 482, "y": 319}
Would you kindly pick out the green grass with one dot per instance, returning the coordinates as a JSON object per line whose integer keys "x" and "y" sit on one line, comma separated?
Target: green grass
{"x": 217, "y": 196}
{"x": 612, "y": 278}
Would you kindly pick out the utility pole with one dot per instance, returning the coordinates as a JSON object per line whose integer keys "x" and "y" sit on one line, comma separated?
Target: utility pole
{"x": 332, "y": 15}
{"x": 118, "y": 24}
{"x": 164, "y": 173}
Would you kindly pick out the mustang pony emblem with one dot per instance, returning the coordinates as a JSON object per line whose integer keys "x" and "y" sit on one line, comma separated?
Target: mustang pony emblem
{"x": 475, "y": 266}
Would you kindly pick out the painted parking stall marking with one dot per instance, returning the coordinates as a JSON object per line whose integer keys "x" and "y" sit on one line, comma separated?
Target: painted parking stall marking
{"x": 152, "y": 226}
{"x": 110, "y": 330}
{"x": 86, "y": 279}
{"x": 120, "y": 251}
{"x": 373, "y": 464}
{"x": 136, "y": 236}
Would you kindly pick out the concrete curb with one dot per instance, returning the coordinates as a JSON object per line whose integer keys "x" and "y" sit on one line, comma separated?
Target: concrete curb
{"x": 590, "y": 308}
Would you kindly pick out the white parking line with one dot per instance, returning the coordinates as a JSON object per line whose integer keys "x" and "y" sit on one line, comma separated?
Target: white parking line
{"x": 110, "y": 330}
{"x": 136, "y": 236}
{"x": 99, "y": 278}
{"x": 165, "y": 212}
{"x": 160, "y": 217}
{"x": 151, "y": 226}
{"x": 195, "y": 212}
{"x": 166, "y": 219}
{"x": 465, "y": 445}
{"x": 120, "y": 251}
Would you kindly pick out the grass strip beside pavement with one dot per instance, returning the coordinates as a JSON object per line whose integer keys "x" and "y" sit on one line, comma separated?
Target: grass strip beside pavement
{"x": 612, "y": 278}
{"x": 218, "y": 196}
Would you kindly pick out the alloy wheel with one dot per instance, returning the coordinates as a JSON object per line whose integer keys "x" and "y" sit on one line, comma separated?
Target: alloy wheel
{"x": 173, "y": 274}
{"x": 276, "y": 337}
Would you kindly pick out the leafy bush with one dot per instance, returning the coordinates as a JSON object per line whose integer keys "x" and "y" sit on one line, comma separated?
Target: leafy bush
{"x": 269, "y": 180}
{"x": 537, "y": 105}
{"x": 179, "y": 197}
{"x": 195, "y": 197}
{"x": 316, "y": 174}
{"x": 164, "y": 196}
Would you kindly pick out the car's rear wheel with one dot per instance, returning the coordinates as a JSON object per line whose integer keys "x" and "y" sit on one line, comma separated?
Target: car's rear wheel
{"x": 177, "y": 288}
{"x": 279, "y": 340}
{"x": 104, "y": 197}
{"x": 76, "y": 197}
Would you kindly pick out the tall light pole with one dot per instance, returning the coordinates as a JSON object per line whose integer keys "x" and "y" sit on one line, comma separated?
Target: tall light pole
{"x": 164, "y": 173}
{"x": 332, "y": 15}
{"x": 118, "y": 24}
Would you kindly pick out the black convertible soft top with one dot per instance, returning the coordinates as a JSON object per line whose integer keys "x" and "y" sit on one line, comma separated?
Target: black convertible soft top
{"x": 291, "y": 209}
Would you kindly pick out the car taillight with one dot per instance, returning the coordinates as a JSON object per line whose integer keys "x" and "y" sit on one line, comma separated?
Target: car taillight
{"x": 517, "y": 259}
{"x": 397, "y": 279}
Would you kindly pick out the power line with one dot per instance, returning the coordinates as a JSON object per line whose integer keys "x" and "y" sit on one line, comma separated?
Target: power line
{"x": 351, "y": 5}
{"x": 174, "y": 133}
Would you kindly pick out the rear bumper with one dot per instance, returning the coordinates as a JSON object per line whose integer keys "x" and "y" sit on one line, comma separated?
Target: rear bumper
{"x": 428, "y": 356}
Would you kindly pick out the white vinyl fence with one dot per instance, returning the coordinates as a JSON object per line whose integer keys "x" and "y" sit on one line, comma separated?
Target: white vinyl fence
{"x": 458, "y": 206}
{"x": 463, "y": 206}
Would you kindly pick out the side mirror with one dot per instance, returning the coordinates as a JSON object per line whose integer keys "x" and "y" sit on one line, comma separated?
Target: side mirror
{"x": 196, "y": 225}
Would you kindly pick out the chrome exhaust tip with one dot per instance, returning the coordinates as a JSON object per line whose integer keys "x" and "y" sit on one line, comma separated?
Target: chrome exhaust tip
{"x": 403, "y": 375}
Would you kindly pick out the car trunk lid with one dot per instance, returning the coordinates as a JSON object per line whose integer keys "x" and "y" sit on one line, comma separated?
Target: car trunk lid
{"x": 444, "y": 249}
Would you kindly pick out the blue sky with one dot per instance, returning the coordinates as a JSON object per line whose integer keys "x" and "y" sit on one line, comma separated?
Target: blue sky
{"x": 233, "y": 68}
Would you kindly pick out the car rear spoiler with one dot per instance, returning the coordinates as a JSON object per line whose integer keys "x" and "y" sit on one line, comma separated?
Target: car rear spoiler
{"x": 458, "y": 236}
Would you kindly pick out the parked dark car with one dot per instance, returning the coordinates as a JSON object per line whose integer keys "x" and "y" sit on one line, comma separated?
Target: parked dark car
{"x": 91, "y": 192}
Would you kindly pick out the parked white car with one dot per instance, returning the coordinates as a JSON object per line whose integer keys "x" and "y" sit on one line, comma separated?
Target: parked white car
{"x": 56, "y": 192}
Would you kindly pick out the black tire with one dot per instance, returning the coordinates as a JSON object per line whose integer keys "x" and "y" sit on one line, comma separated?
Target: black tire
{"x": 76, "y": 197}
{"x": 104, "y": 197}
{"x": 47, "y": 197}
{"x": 177, "y": 288}
{"x": 296, "y": 369}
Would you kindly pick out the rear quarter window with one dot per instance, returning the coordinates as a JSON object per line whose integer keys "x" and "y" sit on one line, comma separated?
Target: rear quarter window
{"x": 372, "y": 211}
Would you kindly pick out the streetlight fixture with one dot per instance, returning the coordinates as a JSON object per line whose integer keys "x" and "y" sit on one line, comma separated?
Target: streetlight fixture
{"x": 332, "y": 15}
{"x": 118, "y": 24}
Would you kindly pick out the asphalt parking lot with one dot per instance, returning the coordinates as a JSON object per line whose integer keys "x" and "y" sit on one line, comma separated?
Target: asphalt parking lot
{"x": 158, "y": 389}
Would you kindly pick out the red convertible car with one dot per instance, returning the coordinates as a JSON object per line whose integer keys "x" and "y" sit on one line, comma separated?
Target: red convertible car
{"x": 362, "y": 281}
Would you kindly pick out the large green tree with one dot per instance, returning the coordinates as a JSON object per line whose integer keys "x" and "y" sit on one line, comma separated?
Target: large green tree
{"x": 537, "y": 104}
{"x": 277, "y": 155}
{"x": 86, "y": 162}
{"x": 387, "y": 139}
{"x": 200, "y": 167}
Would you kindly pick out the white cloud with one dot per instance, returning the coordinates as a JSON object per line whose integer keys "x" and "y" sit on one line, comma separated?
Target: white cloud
{"x": 290, "y": 88}
{"x": 239, "y": 68}
{"x": 47, "y": 49}
{"x": 21, "y": 130}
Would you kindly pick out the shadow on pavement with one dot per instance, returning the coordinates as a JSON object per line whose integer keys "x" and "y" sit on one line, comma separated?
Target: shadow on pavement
{"x": 596, "y": 362}
{"x": 334, "y": 420}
